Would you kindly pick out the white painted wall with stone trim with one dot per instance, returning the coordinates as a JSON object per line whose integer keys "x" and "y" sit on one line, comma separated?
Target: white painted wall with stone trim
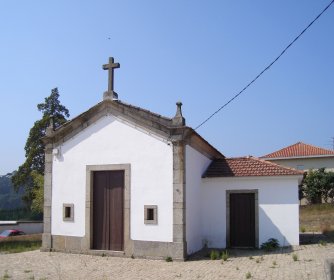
{"x": 278, "y": 208}
{"x": 112, "y": 141}
{"x": 196, "y": 164}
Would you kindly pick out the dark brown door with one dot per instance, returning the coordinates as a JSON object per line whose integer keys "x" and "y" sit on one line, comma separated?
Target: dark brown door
{"x": 242, "y": 220}
{"x": 108, "y": 197}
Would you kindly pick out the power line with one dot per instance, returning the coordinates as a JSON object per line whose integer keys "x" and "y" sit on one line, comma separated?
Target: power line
{"x": 265, "y": 69}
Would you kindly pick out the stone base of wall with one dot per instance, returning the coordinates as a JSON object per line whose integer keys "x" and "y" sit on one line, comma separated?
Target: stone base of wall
{"x": 140, "y": 249}
{"x": 159, "y": 250}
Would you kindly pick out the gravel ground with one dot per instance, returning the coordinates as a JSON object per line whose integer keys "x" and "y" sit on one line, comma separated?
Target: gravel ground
{"x": 259, "y": 265}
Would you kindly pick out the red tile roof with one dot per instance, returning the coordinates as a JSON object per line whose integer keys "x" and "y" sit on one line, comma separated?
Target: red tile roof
{"x": 247, "y": 166}
{"x": 299, "y": 150}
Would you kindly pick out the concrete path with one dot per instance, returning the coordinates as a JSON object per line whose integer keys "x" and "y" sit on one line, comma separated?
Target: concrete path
{"x": 241, "y": 264}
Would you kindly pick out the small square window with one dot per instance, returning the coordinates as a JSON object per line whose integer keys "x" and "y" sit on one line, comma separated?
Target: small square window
{"x": 151, "y": 214}
{"x": 68, "y": 212}
{"x": 300, "y": 167}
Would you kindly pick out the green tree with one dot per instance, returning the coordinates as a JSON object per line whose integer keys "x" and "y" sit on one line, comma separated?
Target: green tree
{"x": 37, "y": 192}
{"x": 318, "y": 185}
{"x": 55, "y": 114}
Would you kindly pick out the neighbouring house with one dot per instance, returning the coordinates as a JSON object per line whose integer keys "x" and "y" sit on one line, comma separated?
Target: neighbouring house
{"x": 303, "y": 157}
{"x": 123, "y": 181}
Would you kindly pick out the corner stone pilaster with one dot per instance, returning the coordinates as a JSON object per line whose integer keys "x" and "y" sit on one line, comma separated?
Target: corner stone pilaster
{"x": 179, "y": 201}
{"x": 46, "y": 239}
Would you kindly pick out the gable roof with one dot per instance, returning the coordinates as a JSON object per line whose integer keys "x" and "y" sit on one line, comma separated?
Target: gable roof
{"x": 247, "y": 167}
{"x": 163, "y": 126}
{"x": 299, "y": 149}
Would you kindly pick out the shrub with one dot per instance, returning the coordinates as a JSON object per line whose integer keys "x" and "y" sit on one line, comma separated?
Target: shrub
{"x": 295, "y": 257}
{"x": 225, "y": 255}
{"x": 318, "y": 185}
{"x": 248, "y": 275}
{"x": 168, "y": 259}
{"x": 214, "y": 255}
{"x": 302, "y": 229}
{"x": 270, "y": 245}
{"x": 322, "y": 242}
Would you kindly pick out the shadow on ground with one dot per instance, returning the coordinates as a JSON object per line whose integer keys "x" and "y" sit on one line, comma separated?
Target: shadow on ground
{"x": 234, "y": 253}
{"x": 316, "y": 237}
{"x": 305, "y": 239}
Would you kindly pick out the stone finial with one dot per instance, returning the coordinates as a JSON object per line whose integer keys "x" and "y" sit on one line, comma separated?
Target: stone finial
{"x": 178, "y": 119}
{"x": 50, "y": 129}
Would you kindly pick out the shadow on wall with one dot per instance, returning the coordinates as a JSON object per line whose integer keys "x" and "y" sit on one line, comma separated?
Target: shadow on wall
{"x": 268, "y": 229}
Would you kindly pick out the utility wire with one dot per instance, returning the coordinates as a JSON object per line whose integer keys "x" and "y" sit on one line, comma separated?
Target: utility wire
{"x": 265, "y": 69}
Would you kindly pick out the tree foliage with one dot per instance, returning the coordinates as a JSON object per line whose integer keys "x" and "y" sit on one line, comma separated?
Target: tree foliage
{"x": 53, "y": 113}
{"x": 318, "y": 185}
{"x": 38, "y": 192}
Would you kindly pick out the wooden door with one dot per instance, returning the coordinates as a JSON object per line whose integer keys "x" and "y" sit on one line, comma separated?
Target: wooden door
{"x": 242, "y": 220}
{"x": 108, "y": 200}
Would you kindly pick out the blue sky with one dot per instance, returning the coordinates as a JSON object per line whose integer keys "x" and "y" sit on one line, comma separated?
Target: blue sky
{"x": 199, "y": 52}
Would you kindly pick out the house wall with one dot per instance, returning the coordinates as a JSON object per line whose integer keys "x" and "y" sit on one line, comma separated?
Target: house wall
{"x": 196, "y": 164}
{"x": 278, "y": 208}
{"x": 112, "y": 141}
{"x": 308, "y": 163}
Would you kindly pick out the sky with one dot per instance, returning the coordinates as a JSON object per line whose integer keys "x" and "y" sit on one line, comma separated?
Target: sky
{"x": 198, "y": 52}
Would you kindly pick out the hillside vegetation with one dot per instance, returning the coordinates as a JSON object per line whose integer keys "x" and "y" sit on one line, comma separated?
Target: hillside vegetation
{"x": 9, "y": 199}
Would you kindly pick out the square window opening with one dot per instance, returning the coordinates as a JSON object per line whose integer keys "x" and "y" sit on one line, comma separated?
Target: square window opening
{"x": 150, "y": 214}
{"x": 68, "y": 212}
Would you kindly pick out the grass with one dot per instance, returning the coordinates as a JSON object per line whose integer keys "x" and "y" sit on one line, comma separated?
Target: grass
{"x": 214, "y": 255}
{"x": 295, "y": 257}
{"x": 225, "y": 256}
{"x": 5, "y": 276}
{"x": 168, "y": 259}
{"x": 317, "y": 218}
{"x": 20, "y": 244}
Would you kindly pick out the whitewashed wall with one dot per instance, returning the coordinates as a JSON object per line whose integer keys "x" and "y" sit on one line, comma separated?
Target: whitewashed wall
{"x": 308, "y": 163}
{"x": 196, "y": 164}
{"x": 111, "y": 141}
{"x": 278, "y": 208}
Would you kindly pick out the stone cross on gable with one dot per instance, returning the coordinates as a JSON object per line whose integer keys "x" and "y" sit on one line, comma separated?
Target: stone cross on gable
{"x": 110, "y": 67}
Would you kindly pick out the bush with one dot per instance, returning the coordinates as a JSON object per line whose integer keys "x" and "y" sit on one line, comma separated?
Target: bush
{"x": 270, "y": 245}
{"x": 318, "y": 185}
{"x": 214, "y": 255}
{"x": 295, "y": 257}
{"x": 225, "y": 255}
{"x": 168, "y": 259}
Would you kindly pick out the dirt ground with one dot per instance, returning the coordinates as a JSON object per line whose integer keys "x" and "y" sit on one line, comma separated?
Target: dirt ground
{"x": 254, "y": 264}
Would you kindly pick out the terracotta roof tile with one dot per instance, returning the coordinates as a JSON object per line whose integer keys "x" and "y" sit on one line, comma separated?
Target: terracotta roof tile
{"x": 299, "y": 150}
{"x": 247, "y": 166}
